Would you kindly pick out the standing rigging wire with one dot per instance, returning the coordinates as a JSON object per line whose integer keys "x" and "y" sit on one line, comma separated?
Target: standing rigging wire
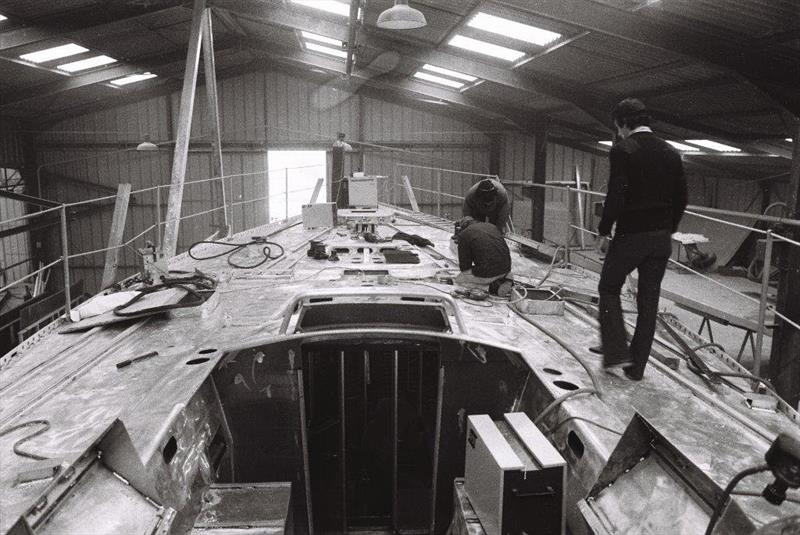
{"x": 236, "y": 247}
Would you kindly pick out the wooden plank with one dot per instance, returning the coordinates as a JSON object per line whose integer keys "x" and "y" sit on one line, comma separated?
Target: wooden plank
{"x": 115, "y": 235}
{"x": 410, "y": 193}
{"x": 181, "y": 154}
{"x": 317, "y": 189}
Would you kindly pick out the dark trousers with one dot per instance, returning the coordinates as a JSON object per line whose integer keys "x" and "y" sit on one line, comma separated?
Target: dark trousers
{"x": 648, "y": 253}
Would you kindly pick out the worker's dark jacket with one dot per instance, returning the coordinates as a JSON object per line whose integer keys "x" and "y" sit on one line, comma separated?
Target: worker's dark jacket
{"x": 495, "y": 210}
{"x": 646, "y": 189}
{"x": 482, "y": 248}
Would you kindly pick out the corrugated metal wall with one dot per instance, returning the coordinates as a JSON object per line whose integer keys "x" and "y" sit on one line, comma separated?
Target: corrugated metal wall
{"x": 258, "y": 112}
{"x": 516, "y": 164}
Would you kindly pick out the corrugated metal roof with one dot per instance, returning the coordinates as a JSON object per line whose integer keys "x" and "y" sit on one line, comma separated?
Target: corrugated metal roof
{"x": 753, "y": 18}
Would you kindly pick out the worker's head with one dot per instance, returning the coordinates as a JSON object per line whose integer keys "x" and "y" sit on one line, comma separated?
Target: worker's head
{"x": 463, "y": 223}
{"x": 629, "y": 114}
{"x": 487, "y": 191}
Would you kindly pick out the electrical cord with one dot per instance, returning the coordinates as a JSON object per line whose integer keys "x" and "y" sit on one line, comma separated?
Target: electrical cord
{"x": 235, "y": 247}
{"x": 729, "y": 490}
{"x": 16, "y": 448}
{"x": 199, "y": 281}
{"x": 561, "y": 399}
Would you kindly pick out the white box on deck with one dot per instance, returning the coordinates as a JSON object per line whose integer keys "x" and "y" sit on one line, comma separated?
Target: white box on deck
{"x": 363, "y": 191}
{"x": 320, "y": 215}
{"x": 514, "y": 478}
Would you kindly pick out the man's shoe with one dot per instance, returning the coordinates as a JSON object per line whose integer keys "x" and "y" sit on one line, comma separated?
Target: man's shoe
{"x": 617, "y": 365}
{"x": 629, "y": 376}
{"x": 596, "y": 349}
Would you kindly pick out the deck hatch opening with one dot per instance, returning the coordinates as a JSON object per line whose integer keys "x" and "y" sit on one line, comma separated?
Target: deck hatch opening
{"x": 316, "y": 316}
{"x": 169, "y": 450}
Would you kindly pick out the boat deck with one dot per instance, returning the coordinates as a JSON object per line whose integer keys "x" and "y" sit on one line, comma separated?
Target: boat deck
{"x": 71, "y": 381}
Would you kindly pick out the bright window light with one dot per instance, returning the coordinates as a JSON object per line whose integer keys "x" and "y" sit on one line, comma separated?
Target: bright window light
{"x": 682, "y": 146}
{"x": 606, "y": 143}
{"x": 133, "y": 78}
{"x": 327, "y": 50}
{"x": 88, "y": 63}
{"x": 438, "y": 80}
{"x": 331, "y": 6}
{"x": 789, "y": 139}
{"x": 321, "y": 38}
{"x": 58, "y": 52}
{"x": 713, "y": 145}
{"x": 3, "y": 17}
{"x": 448, "y": 72}
{"x": 489, "y": 49}
{"x": 513, "y": 29}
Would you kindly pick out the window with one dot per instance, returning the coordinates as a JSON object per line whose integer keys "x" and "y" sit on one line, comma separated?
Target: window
{"x": 682, "y": 146}
{"x": 713, "y": 145}
{"x": 438, "y": 80}
{"x": 448, "y": 72}
{"x": 56, "y": 52}
{"x": 299, "y": 170}
{"x": 513, "y": 29}
{"x": 88, "y": 63}
{"x": 331, "y": 6}
{"x": 133, "y": 78}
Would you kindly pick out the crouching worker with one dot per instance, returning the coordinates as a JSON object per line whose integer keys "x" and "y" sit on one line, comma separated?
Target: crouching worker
{"x": 483, "y": 255}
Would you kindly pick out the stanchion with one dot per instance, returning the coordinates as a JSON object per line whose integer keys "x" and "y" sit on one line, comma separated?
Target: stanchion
{"x": 762, "y": 305}
{"x": 65, "y": 261}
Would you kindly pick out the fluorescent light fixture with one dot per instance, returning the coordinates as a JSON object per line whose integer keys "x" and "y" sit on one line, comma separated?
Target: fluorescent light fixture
{"x": 57, "y": 52}
{"x": 326, "y": 50}
{"x": 438, "y": 80}
{"x": 682, "y": 146}
{"x": 513, "y": 29}
{"x": 488, "y": 49}
{"x": 331, "y": 6}
{"x": 88, "y": 63}
{"x": 321, "y": 38}
{"x": 133, "y": 78}
{"x": 713, "y": 145}
{"x": 448, "y": 72}
{"x": 606, "y": 143}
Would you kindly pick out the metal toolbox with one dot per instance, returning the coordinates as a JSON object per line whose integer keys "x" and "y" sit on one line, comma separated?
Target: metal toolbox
{"x": 514, "y": 477}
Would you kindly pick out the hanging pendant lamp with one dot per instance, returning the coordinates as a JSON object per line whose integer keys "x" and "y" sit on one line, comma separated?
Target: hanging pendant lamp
{"x": 401, "y": 16}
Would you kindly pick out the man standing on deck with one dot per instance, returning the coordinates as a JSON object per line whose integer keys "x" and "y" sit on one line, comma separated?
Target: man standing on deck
{"x": 487, "y": 201}
{"x": 646, "y": 199}
{"x": 483, "y": 255}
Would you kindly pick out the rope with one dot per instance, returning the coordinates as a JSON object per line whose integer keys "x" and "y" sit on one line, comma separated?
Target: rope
{"x": 266, "y": 251}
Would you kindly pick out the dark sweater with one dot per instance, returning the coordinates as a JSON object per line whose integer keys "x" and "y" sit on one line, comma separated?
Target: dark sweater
{"x": 646, "y": 187}
{"x": 494, "y": 210}
{"x": 482, "y": 248}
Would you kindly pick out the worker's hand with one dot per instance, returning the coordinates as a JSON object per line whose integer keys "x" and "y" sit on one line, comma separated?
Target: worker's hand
{"x": 601, "y": 244}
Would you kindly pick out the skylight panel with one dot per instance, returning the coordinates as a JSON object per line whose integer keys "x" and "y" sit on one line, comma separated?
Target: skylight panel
{"x": 606, "y": 143}
{"x": 88, "y": 63}
{"x": 321, "y": 39}
{"x": 133, "y": 78}
{"x": 438, "y": 80}
{"x": 326, "y": 50}
{"x": 330, "y": 6}
{"x": 682, "y": 146}
{"x": 448, "y": 72}
{"x": 57, "y": 52}
{"x": 488, "y": 49}
{"x": 713, "y": 145}
{"x": 513, "y": 29}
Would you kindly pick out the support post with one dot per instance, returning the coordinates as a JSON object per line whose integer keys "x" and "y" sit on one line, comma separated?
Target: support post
{"x": 395, "y": 418}
{"x": 115, "y": 235}
{"x": 343, "y": 440}
{"x": 159, "y": 243}
{"x": 65, "y": 262}
{"x": 568, "y": 238}
{"x": 304, "y": 443}
{"x": 286, "y": 194}
{"x": 438, "y": 193}
{"x": 410, "y": 193}
{"x": 437, "y": 439}
{"x": 579, "y": 198}
{"x": 539, "y": 177}
{"x": 181, "y": 153}
{"x": 223, "y": 227}
{"x": 317, "y": 189}
{"x": 784, "y": 362}
{"x": 762, "y": 305}
{"x": 341, "y": 195}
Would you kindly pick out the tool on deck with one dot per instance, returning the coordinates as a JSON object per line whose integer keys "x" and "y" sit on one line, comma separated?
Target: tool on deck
{"x": 127, "y": 362}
